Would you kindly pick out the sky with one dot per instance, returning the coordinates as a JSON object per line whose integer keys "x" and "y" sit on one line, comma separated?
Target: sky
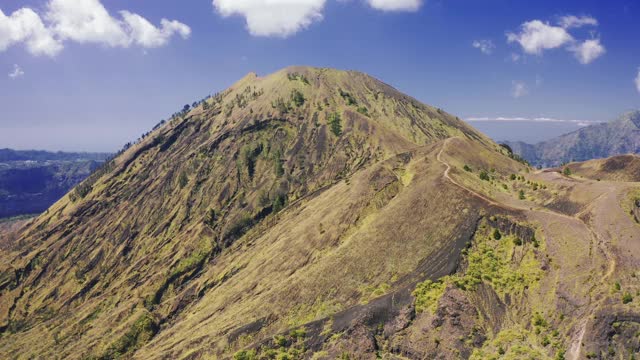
{"x": 92, "y": 75}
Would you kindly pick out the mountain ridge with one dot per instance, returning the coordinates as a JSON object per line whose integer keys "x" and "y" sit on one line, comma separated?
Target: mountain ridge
{"x": 618, "y": 137}
{"x": 319, "y": 213}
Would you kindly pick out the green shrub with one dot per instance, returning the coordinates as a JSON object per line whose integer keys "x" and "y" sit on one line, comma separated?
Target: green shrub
{"x": 297, "y": 97}
{"x": 517, "y": 241}
{"x": 363, "y": 110}
{"x": 566, "y": 171}
{"x": 142, "y": 330}
{"x": 484, "y": 175}
{"x": 496, "y": 234}
{"x": 427, "y": 294}
{"x": 467, "y": 168}
{"x": 348, "y": 98}
{"x": 627, "y": 298}
{"x": 245, "y": 355}
{"x": 279, "y": 202}
{"x": 521, "y": 195}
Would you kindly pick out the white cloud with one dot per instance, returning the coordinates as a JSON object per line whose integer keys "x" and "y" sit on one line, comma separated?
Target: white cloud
{"x": 485, "y": 46}
{"x": 17, "y": 72}
{"x": 395, "y": 5}
{"x": 143, "y": 33}
{"x": 25, "y": 26}
{"x": 519, "y": 89}
{"x": 638, "y": 80}
{"x": 572, "y": 21}
{"x": 273, "y": 17}
{"x": 82, "y": 21}
{"x": 536, "y": 36}
{"x": 588, "y": 51}
{"x": 283, "y": 18}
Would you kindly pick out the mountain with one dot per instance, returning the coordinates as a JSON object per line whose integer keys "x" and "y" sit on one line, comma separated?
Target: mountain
{"x": 318, "y": 213}
{"x": 618, "y": 137}
{"x": 31, "y": 181}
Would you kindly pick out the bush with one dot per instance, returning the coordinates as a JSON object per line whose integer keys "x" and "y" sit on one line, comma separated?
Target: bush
{"x": 363, "y": 110}
{"x": 467, "y": 168}
{"x": 484, "y": 175}
{"x": 517, "y": 241}
{"x": 566, "y": 171}
{"x": 245, "y": 355}
{"x": 521, "y": 195}
{"x": 297, "y": 97}
{"x": 427, "y": 294}
{"x": 627, "y": 298}
{"x": 512, "y": 177}
{"x": 497, "y": 235}
{"x": 348, "y": 98}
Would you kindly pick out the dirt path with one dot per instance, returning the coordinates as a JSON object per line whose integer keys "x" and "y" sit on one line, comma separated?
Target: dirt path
{"x": 601, "y": 203}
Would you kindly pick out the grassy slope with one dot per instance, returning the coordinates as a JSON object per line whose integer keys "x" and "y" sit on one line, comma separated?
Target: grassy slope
{"x": 140, "y": 242}
{"x": 139, "y": 265}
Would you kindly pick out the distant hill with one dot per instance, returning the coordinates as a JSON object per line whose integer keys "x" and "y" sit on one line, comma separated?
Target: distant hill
{"x": 31, "y": 181}
{"x": 618, "y": 137}
{"x": 9, "y": 155}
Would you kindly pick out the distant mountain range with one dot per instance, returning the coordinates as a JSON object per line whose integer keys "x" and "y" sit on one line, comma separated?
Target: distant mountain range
{"x": 31, "y": 181}
{"x": 620, "y": 136}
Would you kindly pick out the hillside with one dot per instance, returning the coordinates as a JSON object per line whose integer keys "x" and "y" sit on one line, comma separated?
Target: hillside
{"x": 31, "y": 181}
{"x": 618, "y": 137}
{"x": 317, "y": 213}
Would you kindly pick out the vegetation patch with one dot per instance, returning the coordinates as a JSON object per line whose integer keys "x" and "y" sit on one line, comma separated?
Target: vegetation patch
{"x": 142, "y": 330}
{"x": 335, "y": 123}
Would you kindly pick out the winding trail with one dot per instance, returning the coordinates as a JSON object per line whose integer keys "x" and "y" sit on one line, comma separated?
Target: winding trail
{"x": 575, "y": 344}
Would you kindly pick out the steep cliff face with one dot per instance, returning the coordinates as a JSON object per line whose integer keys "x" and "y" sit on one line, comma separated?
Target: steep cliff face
{"x": 312, "y": 212}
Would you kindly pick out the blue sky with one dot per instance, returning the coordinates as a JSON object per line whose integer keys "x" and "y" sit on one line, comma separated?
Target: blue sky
{"x": 73, "y": 78}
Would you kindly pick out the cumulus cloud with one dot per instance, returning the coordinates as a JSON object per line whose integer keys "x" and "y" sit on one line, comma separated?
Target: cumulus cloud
{"x": 283, "y": 18}
{"x": 519, "y": 89}
{"x": 145, "y": 34}
{"x": 638, "y": 80}
{"x": 25, "y": 26}
{"x": 572, "y": 21}
{"x": 589, "y": 50}
{"x": 485, "y": 46}
{"x": 395, "y": 5}
{"x": 82, "y": 21}
{"x": 536, "y": 36}
{"x": 273, "y": 17}
{"x": 17, "y": 72}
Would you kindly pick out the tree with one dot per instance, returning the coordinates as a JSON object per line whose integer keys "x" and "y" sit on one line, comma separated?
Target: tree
{"x": 484, "y": 176}
{"x": 467, "y": 168}
{"x": 186, "y": 108}
{"x": 335, "y": 124}
{"x": 496, "y": 234}
{"x": 521, "y": 195}
{"x": 566, "y": 171}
